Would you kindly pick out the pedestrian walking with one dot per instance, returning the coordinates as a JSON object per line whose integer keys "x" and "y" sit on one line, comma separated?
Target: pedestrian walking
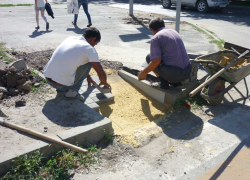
{"x": 84, "y": 4}
{"x": 40, "y": 6}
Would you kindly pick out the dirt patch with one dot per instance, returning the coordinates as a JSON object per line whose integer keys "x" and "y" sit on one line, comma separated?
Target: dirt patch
{"x": 144, "y": 19}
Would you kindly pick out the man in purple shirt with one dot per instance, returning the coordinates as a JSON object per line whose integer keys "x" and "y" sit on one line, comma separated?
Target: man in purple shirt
{"x": 168, "y": 58}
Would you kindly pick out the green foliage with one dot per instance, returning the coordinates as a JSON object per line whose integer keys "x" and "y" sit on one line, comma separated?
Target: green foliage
{"x": 9, "y": 5}
{"x": 34, "y": 89}
{"x": 24, "y": 4}
{"x": 3, "y": 53}
{"x": 34, "y": 72}
{"x": 109, "y": 137}
{"x": 35, "y": 166}
{"x": 196, "y": 102}
{"x": 219, "y": 42}
{"x": 6, "y": 5}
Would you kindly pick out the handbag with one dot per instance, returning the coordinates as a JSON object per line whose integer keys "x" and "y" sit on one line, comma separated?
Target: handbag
{"x": 72, "y": 6}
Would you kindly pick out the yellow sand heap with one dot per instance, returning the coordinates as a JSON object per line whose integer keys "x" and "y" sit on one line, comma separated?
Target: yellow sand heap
{"x": 226, "y": 58}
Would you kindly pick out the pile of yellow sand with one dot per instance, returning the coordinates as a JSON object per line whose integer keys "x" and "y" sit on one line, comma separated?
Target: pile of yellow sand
{"x": 133, "y": 114}
{"x": 226, "y": 58}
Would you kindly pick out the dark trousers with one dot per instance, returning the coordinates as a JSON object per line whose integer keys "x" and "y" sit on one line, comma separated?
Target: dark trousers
{"x": 172, "y": 74}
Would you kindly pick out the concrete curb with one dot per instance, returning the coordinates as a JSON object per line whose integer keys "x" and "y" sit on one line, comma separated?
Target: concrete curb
{"x": 162, "y": 96}
{"x": 93, "y": 133}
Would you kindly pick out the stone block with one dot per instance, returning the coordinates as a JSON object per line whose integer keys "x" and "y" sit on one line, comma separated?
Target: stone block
{"x": 19, "y": 65}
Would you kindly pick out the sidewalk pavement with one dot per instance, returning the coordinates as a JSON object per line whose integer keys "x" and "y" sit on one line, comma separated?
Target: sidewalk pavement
{"x": 120, "y": 41}
{"x": 129, "y": 44}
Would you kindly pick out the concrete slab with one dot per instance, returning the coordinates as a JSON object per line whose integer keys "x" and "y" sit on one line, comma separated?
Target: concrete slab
{"x": 92, "y": 127}
{"x": 19, "y": 65}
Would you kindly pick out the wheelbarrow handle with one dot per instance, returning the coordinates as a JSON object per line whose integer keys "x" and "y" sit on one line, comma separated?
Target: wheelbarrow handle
{"x": 195, "y": 91}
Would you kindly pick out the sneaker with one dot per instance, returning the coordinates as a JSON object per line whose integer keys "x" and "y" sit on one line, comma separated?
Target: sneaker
{"x": 47, "y": 26}
{"x": 78, "y": 96}
{"x": 37, "y": 27}
{"x": 89, "y": 25}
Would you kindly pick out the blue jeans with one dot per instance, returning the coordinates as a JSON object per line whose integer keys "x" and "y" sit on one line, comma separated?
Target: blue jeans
{"x": 85, "y": 8}
{"x": 81, "y": 73}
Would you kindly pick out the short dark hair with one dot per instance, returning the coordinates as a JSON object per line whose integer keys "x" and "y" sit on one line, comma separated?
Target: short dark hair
{"x": 156, "y": 24}
{"x": 92, "y": 32}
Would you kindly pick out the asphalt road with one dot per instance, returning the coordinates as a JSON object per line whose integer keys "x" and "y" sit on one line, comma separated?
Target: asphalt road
{"x": 231, "y": 25}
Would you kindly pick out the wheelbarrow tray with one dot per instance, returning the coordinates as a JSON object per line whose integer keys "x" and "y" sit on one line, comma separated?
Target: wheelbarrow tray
{"x": 211, "y": 64}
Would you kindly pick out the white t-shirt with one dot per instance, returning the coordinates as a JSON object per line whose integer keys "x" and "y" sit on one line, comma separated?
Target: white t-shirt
{"x": 68, "y": 56}
{"x": 40, "y": 3}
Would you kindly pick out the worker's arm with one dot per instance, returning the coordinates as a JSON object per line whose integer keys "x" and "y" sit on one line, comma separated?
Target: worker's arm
{"x": 101, "y": 74}
{"x": 151, "y": 67}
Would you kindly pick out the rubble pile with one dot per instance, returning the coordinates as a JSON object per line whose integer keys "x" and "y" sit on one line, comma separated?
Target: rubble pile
{"x": 14, "y": 82}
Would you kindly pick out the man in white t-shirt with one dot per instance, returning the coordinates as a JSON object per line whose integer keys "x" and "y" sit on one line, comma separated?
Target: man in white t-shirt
{"x": 71, "y": 62}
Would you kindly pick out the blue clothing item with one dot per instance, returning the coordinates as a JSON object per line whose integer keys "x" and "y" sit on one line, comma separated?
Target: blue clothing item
{"x": 84, "y": 4}
{"x": 40, "y": 8}
{"x": 81, "y": 74}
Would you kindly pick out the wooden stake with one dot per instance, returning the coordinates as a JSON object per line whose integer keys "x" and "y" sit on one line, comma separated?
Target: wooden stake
{"x": 42, "y": 136}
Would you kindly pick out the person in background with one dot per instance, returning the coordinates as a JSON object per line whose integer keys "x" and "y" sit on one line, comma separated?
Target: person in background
{"x": 40, "y": 6}
{"x": 84, "y": 4}
{"x": 168, "y": 58}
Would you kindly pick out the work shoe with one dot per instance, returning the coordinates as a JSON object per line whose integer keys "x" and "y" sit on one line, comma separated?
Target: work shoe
{"x": 177, "y": 85}
{"x": 37, "y": 27}
{"x": 47, "y": 26}
{"x": 159, "y": 85}
{"x": 78, "y": 96}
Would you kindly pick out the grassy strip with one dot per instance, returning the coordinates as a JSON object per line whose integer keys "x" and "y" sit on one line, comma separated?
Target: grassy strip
{"x": 3, "y": 53}
{"x": 219, "y": 43}
{"x": 24, "y": 4}
{"x": 9, "y": 5}
{"x": 196, "y": 102}
{"x": 35, "y": 166}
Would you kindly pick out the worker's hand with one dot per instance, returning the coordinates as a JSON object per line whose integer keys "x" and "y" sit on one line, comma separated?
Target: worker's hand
{"x": 142, "y": 75}
{"x": 90, "y": 81}
{"x": 105, "y": 84}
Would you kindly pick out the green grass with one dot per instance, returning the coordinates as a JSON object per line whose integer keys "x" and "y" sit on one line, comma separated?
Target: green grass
{"x": 9, "y": 5}
{"x": 24, "y": 4}
{"x": 3, "y": 53}
{"x": 219, "y": 43}
{"x": 34, "y": 72}
{"x": 36, "y": 166}
{"x": 109, "y": 137}
{"x": 58, "y": 3}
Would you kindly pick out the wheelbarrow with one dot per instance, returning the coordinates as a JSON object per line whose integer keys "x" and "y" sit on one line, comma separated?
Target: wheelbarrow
{"x": 213, "y": 89}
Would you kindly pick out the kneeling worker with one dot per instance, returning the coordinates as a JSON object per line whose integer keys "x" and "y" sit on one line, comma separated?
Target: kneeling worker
{"x": 168, "y": 57}
{"x": 71, "y": 62}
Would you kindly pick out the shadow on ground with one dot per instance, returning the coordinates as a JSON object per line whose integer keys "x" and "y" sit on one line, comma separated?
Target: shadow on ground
{"x": 69, "y": 113}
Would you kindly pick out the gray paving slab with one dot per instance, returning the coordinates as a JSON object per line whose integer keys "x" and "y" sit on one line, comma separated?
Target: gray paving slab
{"x": 92, "y": 125}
